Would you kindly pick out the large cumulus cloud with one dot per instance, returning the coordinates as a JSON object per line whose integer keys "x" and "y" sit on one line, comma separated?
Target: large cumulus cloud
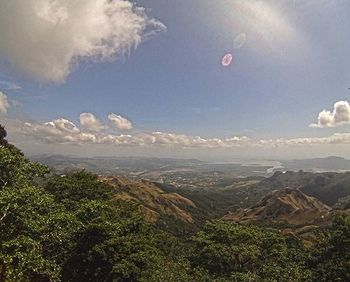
{"x": 46, "y": 38}
{"x": 120, "y": 122}
{"x": 90, "y": 122}
{"x": 340, "y": 115}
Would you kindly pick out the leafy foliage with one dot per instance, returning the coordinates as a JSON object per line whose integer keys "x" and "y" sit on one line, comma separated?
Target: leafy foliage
{"x": 16, "y": 170}
{"x": 77, "y": 187}
{"x": 35, "y": 231}
{"x": 228, "y": 249}
{"x": 331, "y": 260}
{"x": 3, "y": 134}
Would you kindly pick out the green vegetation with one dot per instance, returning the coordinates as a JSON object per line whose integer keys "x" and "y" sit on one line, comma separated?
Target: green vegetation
{"x": 249, "y": 253}
{"x": 72, "y": 228}
{"x": 331, "y": 257}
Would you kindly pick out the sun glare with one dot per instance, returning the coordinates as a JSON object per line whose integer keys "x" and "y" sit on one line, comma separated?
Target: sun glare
{"x": 265, "y": 24}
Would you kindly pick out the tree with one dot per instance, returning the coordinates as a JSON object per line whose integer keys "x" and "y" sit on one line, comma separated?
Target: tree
{"x": 79, "y": 186}
{"x": 16, "y": 170}
{"x": 36, "y": 234}
{"x": 3, "y": 134}
{"x": 35, "y": 231}
{"x": 331, "y": 256}
{"x": 114, "y": 245}
{"x": 228, "y": 249}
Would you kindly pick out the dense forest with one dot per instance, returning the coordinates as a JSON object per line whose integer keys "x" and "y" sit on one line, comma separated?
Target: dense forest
{"x": 72, "y": 228}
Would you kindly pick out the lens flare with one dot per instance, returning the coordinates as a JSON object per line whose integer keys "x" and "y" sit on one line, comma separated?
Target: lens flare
{"x": 239, "y": 40}
{"x": 227, "y": 60}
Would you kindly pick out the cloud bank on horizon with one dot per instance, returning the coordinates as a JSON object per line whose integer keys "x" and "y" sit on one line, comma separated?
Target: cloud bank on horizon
{"x": 47, "y": 39}
{"x": 63, "y": 131}
{"x": 93, "y": 131}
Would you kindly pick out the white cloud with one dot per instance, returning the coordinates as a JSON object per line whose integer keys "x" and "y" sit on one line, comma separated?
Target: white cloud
{"x": 63, "y": 131}
{"x": 63, "y": 125}
{"x": 46, "y": 38}
{"x": 335, "y": 139}
{"x": 339, "y": 116}
{"x": 120, "y": 122}
{"x": 4, "y": 104}
{"x": 90, "y": 122}
{"x": 58, "y": 131}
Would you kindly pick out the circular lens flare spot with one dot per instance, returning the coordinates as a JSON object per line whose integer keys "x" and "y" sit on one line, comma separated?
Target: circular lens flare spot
{"x": 227, "y": 60}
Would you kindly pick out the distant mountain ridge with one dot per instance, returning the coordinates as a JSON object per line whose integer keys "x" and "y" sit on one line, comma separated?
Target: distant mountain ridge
{"x": 154, "y": 203}
{"x": 331, "y": 163}
{"x": 110, "y": 165}
{"x": 288, "y": 205}
{"x": 328, "y": 187}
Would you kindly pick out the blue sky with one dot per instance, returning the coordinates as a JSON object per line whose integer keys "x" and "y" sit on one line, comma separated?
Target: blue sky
{"x": 293, "y": 64}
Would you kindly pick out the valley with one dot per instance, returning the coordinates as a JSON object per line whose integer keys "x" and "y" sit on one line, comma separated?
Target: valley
{"x": 187, "y": 192}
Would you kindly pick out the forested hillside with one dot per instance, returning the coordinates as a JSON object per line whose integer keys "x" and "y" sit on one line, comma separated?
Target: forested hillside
{"x": 79, "y": 227}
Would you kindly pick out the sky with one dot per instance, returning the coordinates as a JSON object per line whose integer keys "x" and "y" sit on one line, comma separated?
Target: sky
{"x": 207, "y": 79}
